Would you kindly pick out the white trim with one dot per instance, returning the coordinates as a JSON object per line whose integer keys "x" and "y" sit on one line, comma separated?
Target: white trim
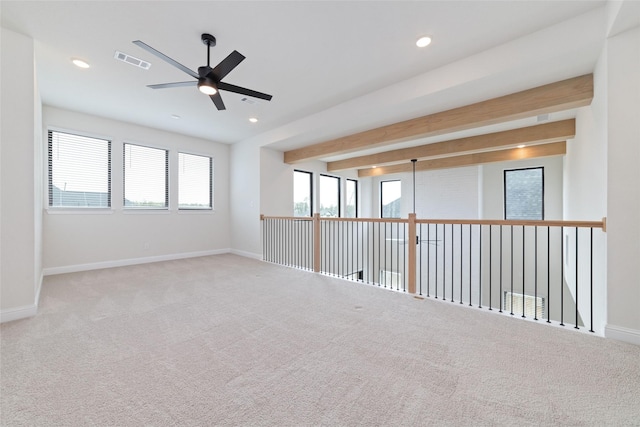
{"x": 133, "y": 261}
{"x": 25, "y": 311}
{"x": 16, "y": 313}
{"x": 246, "y": 254}
{"x": 622, "y": 334}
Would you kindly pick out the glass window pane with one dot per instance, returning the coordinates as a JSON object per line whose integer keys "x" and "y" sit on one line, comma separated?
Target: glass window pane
{"x": 194, "y": 181}
{"x": 79, "y": 171}
{"x": 524, "y": 194}
{"x": 351, "y": 199}
{"x": 145, "y": 177}
{"x": 329, "y": 196}
{"x": 302, "y": 195}
{"x": 390, "y": 197}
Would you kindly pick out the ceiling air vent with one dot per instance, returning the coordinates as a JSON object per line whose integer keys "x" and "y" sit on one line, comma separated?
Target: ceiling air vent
{"x": 249, "y": 101}
{"x": 132, "y": 60}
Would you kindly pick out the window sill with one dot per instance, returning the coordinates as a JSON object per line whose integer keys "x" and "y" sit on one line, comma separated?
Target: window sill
{"x": 196, "y": 211}
{"x": 79, "y": 211}
{"x": 142, "y": 211}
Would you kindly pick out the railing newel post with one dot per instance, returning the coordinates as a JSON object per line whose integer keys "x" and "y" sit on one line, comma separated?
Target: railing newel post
{"x": 412, "y": 253}
{"x": 316, "y": 242}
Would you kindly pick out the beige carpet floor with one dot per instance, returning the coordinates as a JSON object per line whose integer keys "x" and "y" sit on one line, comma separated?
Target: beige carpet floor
{"x": 226, "y": 340}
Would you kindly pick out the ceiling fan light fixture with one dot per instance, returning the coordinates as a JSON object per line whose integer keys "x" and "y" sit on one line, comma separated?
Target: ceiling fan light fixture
{"x": 207, "y": 87}
{"x": 423, "y": 41}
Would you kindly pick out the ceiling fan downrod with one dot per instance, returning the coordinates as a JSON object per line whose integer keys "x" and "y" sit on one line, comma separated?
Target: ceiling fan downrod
{"x": 209, "y": 40}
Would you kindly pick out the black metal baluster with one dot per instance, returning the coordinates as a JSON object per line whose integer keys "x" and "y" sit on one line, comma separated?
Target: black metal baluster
{"x": 561, "y": 276}
{"x": 444, "y": 262}
{"x": 452, "y": 245}
{"x": 437, "y": 261}
{"x": 420, "y": 261}
{"x": 591, "y": 276}
{"x": 428, "y": 258}
{"x": 461, "y": 250}
{"x": 548, "y": 305}
{"x": 535, "y": 275}
{"x": 480, "y": 267}
{"x": 512, "y": 270}
{"x": 404, "y": 257}
{"x": 500, "y": 295}
{"x": 576, "y": 326}
{"x": 490, "y": 263}
{"x": 523, "y": 272}
{"x": 470, "y": 262}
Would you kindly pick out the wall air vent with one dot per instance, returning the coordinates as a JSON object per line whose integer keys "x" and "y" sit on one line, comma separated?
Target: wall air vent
{"x": 132, "y": 60}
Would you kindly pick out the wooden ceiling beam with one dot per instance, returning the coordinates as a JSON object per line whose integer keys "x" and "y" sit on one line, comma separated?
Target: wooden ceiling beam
{"x": 539, "y": 134}
{"x": 559, "y": 96}
{"x": 542, "y": 150}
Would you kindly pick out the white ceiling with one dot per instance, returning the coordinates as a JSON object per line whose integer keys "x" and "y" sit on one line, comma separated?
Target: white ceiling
{"x": 333, "y": 68}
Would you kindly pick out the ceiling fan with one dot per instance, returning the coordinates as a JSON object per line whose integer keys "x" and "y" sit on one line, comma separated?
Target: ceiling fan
{"x": 208, "y": 79}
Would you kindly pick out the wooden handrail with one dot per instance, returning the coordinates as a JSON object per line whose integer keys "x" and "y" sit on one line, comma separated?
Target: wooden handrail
{"x": 541, "y": 223}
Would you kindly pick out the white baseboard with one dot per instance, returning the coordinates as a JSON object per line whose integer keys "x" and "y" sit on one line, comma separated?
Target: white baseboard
{"x": 622, "y": 334}
{"x": 246, "y": 254}
{"x": 133, "y": 261}
{"x": 18, "y": 313}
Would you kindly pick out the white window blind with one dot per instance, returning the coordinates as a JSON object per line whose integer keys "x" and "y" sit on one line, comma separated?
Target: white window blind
{"x": 194, "y": 181}
{"x": 79, "y": 171}
{"x": 145, "y": 177}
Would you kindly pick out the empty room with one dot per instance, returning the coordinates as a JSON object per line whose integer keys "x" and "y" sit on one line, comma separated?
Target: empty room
{"x": 301, "y": 213}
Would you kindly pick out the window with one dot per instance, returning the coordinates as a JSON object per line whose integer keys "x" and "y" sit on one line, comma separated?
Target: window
{"x": 79, "y": 171}
{"x": 194, "y": 181}
{"x": 524, "y": 194}
{"x": 145, "y": 177}
{"x": 351, "y": 199}
{"x": 390, "y": 193}
{"x": 302, "y": 194}
{"x": 329, "y": 196}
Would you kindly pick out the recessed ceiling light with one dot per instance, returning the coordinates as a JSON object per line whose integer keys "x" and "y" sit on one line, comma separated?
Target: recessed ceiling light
{"x": 423, "y": 41}
{"x": 374, "y": 166}
{"x": 253, "y": 120}
{"x": 175, "y": 116}
{"x": 521, "y": 146}
{"x": 80, "y": 63}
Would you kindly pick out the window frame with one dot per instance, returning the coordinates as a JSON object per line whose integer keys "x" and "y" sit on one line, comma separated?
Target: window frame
{"x": 381, "y": 197}
{"x": 310, "y": 175}
{"x": 124, "y": 179}
{"x": 49, "y": 174}
{"x": 338, "y": 186}
{"x": 346, "y": 192}
{"x": 504, "y": 185}
{"x": 211, "y": 183}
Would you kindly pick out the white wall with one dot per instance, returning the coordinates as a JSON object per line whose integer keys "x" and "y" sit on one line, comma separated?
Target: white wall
{"x": 585, "y": 188}
{"x": 493, "y": 186}
{"x": 623, "y": 185}
{"x": 77, "y": 240}
{"x": 20, "y": 247}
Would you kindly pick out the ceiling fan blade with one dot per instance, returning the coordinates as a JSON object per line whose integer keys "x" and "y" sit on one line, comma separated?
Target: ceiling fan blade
{"x": 217, "y": 99}
{"x": 176, "y": 84}
{"x": 165, "y": 58}
{"x": 227, "y": 64}
{"x": 244, "y": 91}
